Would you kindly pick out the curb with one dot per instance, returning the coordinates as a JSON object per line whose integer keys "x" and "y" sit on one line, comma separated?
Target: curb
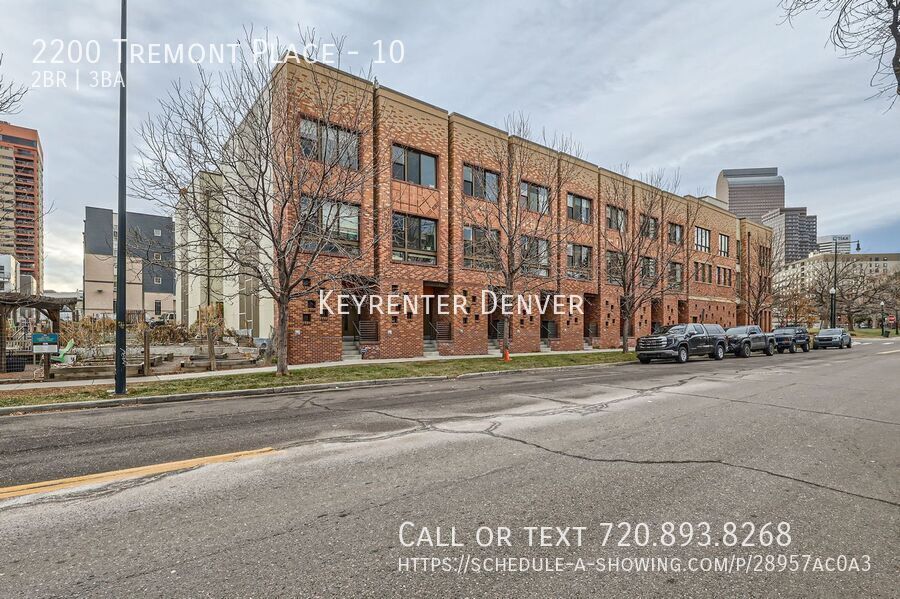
{"x": 313, "y": 387}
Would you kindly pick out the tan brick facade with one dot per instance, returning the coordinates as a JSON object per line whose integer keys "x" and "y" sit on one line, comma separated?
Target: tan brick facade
{"x": 455, "y": 141}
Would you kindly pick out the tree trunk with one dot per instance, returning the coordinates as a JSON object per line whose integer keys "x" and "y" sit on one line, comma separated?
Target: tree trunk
{"x": 506, "y": 322}
{"x": 281, "y": 339}
{"x": 626, "y": 322}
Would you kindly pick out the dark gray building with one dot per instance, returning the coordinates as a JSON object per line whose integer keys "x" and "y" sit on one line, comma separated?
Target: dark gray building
{"x": 793, "y": 234}
{"x": 150, "y": 284}
{"x": 751, "y": 192}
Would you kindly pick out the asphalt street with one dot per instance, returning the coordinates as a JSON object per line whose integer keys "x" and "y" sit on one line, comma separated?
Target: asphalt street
{"x": 810, "y": 440}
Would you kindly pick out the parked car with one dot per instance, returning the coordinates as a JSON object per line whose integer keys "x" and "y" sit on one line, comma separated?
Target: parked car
{"x": 681, "y": 341}
{"x": 742, "y": 341}
{"x": 790, "y": 338}
{"x": 838, "y": 338}
{"x": 162, "y": 319}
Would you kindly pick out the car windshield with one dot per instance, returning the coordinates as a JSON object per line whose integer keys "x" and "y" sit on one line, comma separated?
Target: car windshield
{"x": 830, "y": 332}
{"x": 675, "y": 329}
{"x": 784, "y": 331}
{"x": 736, "y": 331}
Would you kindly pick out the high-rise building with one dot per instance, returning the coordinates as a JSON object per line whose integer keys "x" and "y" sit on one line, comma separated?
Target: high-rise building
{"x": 150, "y": 283}
{"x": 826, "y": 243}
{"x": 793, "y": 234}
{"x": 751, "y": 192}
{"x": 21, "y": 200}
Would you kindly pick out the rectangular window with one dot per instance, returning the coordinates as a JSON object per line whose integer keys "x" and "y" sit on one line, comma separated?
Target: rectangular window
{"x": 330, "y": 226}
{"x": 157, "y": 280}
{"x": 701, "y": 239}
{"x": 414, "y": 239}
{"x": 480, "y": 247}
{"x": 157, "y": 233}
{"x": 157, "y": 256}
{"x": 579, "y": 208}
{"x": 676, "y": 234}
{"x": 615, "y": 267}
{"x": 535, "y": 256}
{"x": 157, "y": 307}
{"x": 648, "y": 271}
{"x": 649, "y": 226}
{"x": 413, "y": 166}
{"x": 615, "y": 218}
{"x": 578, "y": 261}
{"x": 480, "y": 183}
{"x": 534, "y": 197}
{"x": 676, "y": 275}
{"x": 724, "y": 245}
{"x": 330, "y": 144}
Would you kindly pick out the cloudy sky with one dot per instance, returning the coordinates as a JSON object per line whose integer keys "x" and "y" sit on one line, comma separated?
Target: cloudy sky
{"x": 693, "y": 85}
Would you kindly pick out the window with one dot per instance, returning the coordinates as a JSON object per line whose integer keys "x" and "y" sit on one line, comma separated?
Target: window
{"x": 615, "y": 267}
{"x": 157, "y": 307}
{"x": 724, "y": 245}
{"x": 615, "y": 218}
{"x": 157, "y": 280}
{"x": 480, "y": 183}
{"x": 676, "y": 275}
{"x": 701, "y": 239}
{"x": 578, "y": 261}
{"x": 579, "y": 208}
{"x": 535, "y": 197}
{"x": 157, "y": 232}
{"x": 157, "y": 256}
{"x": 415, "y": 239}
{"x": 648, "y": 271}
{"x": 480, "y": 247}
{"x": 413, "y": 166}
{"x": 535, "y": 256}
{"x": 702, "y": 272}
{"x": 676, "y": 234}
{"x": 330, "y": 144}
{"x": 330, "y": 226}
{"x": 649, "y": 226}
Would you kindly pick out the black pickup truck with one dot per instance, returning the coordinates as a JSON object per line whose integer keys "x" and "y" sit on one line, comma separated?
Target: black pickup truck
{"x": 681, "y": 341}
{"x": 742, "y": 341}
{"x": 790, "y": 338}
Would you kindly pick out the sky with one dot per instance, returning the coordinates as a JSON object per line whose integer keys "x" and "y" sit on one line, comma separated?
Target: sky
{"x": 693, "y": 85}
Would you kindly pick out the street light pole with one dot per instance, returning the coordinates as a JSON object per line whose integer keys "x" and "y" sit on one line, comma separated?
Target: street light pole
{"x": 882, "y": 318}
{"x": 123, "y": 222}
{"x": 834, "y": 288}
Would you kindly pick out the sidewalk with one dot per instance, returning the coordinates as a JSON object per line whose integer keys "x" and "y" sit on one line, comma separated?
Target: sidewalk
{"x": 265, "y": 369}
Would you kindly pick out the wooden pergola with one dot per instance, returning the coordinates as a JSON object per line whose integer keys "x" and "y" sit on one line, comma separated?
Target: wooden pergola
{"x": 48, "y": 306}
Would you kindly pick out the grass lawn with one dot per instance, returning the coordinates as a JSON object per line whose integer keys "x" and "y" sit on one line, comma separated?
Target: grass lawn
{"x": 332, "y": 374}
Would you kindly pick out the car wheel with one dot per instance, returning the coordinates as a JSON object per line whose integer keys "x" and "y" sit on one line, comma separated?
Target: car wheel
{"x": 719, "y": 354}
{"x": 805, "y": 347}
{"x": 744, "y": 352}
{"x": 682, "y": 356}
{"x": 780, "y": 350}
{"x": 643, "y": 359}
{"x": 841, "y": 344}
{"x": 770, "y": 349}
{"x": 815, "y": 346}
{"x": 793, "y": 348}
{"x": 850, "y": 344}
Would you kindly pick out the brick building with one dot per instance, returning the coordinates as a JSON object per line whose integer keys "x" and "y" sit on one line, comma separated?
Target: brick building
{"x": 415, "y": 218}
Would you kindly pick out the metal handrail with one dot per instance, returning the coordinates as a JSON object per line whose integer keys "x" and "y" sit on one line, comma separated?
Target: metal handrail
{"x": 366, "y": 330}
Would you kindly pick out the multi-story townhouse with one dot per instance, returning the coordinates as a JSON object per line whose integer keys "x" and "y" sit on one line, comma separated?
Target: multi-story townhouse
{"x": 414, "y": 227}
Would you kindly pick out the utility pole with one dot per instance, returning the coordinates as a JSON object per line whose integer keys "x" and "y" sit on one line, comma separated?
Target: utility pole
{"x": 121, "y": 275}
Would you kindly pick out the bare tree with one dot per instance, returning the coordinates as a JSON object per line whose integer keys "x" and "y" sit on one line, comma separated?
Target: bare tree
{"x": 518, "y": 233}
{"x": 758, "y": 267}
{"x": 11, "y": 94}
{"x": 857, "y": 291}
{"x": 862, "y": 28}
{"x": 265, "y": 170}
{"x": 642, "y": 254}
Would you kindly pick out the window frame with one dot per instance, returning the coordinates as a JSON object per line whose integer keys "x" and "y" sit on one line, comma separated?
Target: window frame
{"x": 578, "y": 215}
{"x": 472, "y": 258}
{"x": 337, "y": 244}
{"x": 679, "y": 238}
{"x": 525, "y": 196}
{"x": 724, "y": 248}
{"x": 319, "y": 149}
{"x": 535, "y": 265}
{"x": 479, "y": 175}
{"x": 617, "y": 268}
{"x": 576, "y": 269}
{"x": 651, "y": 232}
{"x": 407, "y": 150}
{"x": 406, "y": 251}
{"x": 621, "y": 218}
{"x": 676, "y": 282}
{"x": 706, "y": 235}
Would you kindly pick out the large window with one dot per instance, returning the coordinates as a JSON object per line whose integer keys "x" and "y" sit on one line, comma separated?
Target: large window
{"x": 648, "y": 271}
{"x": 676, "y": 234}
{"x": 330, "y": 144}
{"x": 702, "y": 272}
{"x": 676, "y": 275}
{"x": 330, "y": 226}
{"x": 481, "y": 183}
{"x": 724, "y": 245}
{"x": 415, "y": 239}
{"x": 615, "y": 218}
{"x": 649, "y": 226}
{"x": 535, "y": 256}
{"x": 579, "y": 208}
{"x": 701, "y": 239}
{"x": 615, "y": 267}
{"x": 578, "y": 261}
{"x": 414, "y": 166}
{"x": 535, "y": 197}
{"x": 480, "y": 247}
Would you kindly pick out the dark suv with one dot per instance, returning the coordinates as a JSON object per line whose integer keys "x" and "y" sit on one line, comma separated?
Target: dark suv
{"x": 681, "y": 341}
{"x": 742, "y": 341}
{"x": 790, "y": 338}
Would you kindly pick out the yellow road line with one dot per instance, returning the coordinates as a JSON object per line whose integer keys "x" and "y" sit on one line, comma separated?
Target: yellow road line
{"x": 140, "y": 471}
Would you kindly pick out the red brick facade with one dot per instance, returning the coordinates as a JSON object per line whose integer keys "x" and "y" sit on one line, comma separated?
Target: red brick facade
{"x": 455, "y": 141}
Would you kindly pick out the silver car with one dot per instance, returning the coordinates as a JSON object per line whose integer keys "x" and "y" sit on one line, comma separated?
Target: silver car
{"x": 838, "y": 338}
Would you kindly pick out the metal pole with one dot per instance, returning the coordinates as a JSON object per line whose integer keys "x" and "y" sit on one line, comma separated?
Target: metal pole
{"x": 834, "y": 296}
{"x": 123, "y": 222}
